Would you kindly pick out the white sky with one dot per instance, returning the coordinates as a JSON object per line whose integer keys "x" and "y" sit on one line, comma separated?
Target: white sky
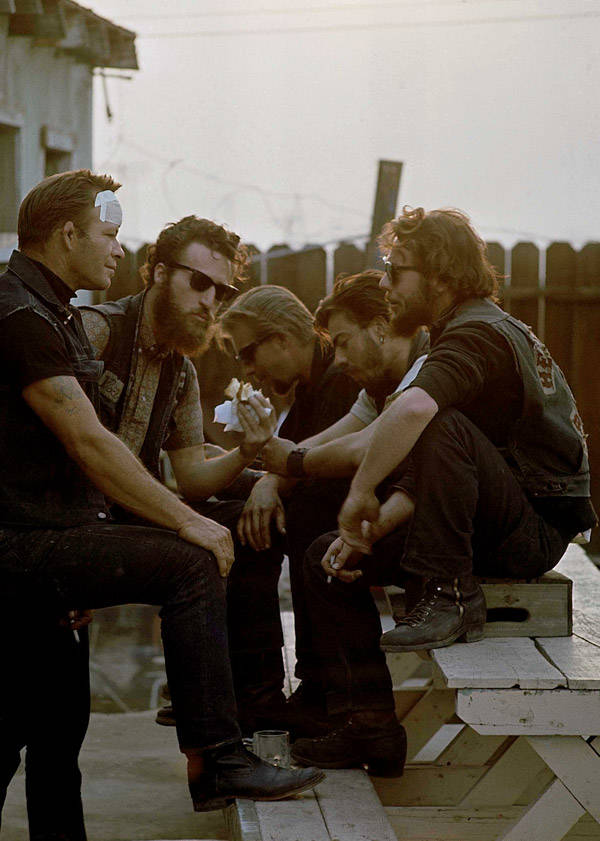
{"x": 270, "y": 115}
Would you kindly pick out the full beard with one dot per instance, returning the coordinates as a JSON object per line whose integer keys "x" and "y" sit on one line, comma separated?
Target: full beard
{"x": 180, "y": 331}
{"x": 413, "y": 312}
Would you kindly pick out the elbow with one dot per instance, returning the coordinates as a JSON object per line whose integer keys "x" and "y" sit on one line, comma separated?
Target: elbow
{"x": 420, "y": 406}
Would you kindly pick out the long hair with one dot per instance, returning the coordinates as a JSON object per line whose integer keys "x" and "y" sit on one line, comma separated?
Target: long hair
{"x": 445, "y": 245}
{"x": 271, "y": 310}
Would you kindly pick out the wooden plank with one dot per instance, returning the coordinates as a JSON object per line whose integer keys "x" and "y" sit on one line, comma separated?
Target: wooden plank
{"x": 241, "y": 821}
{"x": 506, "y": 780}
{"x": 495, "y": 664}
{"x": 404, "y": 666}
{"x": 575, "y": 763}
{"x": 586, "y": 592}
{"x": 469, "y": 748}
{"x": 426, "y": 717}
{"x": 548, "y": 819}
{"x": 535, "y": 712}
{"x": 294, "y": 819}
{"x": 351, "y": 809}
{"x": 405, "y": 700}
{"x": 428, "y": 785}
{"x": 577, "y": 659}
{"x": 459, "y": 824}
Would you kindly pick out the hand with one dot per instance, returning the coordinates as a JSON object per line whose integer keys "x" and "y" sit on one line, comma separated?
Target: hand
{"x": 213, "y": 537}
{"x": 275, "y": 455}
{"x": 358, "y": 507}
{"x": 340, "y": 561}
{"x": 76, "y": 619}
{"x": 262, "y": 506}
{"x": 397, "y": 509}
{"x": 258, "y": 419}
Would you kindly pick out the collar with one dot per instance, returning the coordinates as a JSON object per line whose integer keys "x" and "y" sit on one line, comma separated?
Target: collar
{"x": 40, "y": 279}
{"x": 439, "y": 325}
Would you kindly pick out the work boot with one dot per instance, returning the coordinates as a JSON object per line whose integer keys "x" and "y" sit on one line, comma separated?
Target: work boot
{"x": 380, "y": 747}
{"x": 231, "y": 771}
{"x": 165, "y": 715}
{"x": 449, "y": 611}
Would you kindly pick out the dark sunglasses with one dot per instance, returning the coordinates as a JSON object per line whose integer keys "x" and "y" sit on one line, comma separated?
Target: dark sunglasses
{"x": 245, "y": 355}
{"x": 200, "y": 282}
{"x": 393, "y": 272}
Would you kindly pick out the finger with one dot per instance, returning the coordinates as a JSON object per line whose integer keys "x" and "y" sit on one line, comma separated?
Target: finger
{"x": 330, "y": 571}
{"x": 356, "y": 541}
{"x": 256, "y": 537}
{"x": 265, "y": 527}
{"x": 333, "y": 549}
{"x": 280, "y": 518}
{"x": 348, "y": 576}
{"x": 241, "y": 528}
{"x": 222, "y": 561}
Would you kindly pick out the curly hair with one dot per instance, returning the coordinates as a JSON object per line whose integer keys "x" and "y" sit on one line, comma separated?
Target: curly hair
{"x": 445, "y": 245}
{"x": 60, "y": 198}
{"x": 177, "y": 235}
{"x": 358, "y": 296}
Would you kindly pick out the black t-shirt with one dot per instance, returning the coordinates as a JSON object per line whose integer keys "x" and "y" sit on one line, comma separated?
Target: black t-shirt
{"x": 318, "y": 404}
{"x": 472, "y": 368}
{"x": 30, "y": 348}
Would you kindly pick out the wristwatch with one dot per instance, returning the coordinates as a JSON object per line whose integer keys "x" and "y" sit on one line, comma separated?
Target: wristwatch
{"x": 294, "y": 463}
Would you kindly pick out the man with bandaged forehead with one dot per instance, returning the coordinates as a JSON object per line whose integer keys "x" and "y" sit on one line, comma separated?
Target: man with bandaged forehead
{"x": 60, "y": 548}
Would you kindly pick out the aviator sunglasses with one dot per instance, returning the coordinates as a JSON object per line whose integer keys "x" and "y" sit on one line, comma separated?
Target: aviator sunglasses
{"x": 200, "y": 282}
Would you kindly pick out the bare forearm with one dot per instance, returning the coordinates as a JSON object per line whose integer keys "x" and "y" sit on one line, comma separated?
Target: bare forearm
{"x": 337, "y": 458}
{"x": 124, "y": 479}
{"x": 393, "y": 436}
{"x": 213, "y": 475}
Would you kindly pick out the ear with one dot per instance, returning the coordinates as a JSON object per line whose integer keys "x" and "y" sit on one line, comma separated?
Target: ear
{"x": 161, "y": 274}
{"x": 68, "y": 235}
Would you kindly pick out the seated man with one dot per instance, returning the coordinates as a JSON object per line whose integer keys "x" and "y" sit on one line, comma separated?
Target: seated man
{"x": 150, "y": 398}
{"x": 501, "y": 477}
{"x": 60, "y": 547}
{"x": 383, "y": 362}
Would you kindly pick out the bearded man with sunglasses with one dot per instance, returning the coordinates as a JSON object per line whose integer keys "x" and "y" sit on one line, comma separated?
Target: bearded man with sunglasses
{"x": 150, "y": 398}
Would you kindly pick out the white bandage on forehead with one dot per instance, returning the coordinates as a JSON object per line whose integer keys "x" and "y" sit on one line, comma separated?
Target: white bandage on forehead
{"x": 110, "y": 209}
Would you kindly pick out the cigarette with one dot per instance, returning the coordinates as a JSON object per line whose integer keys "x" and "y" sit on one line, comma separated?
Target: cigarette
{"x": 329, "y": 579}
{"x": 332, "y": 563}
{"x": 76, "y": 635}
{"x": 72, "y": 622}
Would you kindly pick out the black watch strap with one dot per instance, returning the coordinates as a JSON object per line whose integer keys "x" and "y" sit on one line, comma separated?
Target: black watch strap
{"x": 294, "y": 462}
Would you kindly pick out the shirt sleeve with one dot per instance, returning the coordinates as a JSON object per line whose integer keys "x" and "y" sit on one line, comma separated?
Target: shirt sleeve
{"x": 186, "y": 428}
{"x": 32, "y": 350}
{"x": 364, "y": 408}
{"x": 462, "y": 362}
{"x": 97, "y": 328}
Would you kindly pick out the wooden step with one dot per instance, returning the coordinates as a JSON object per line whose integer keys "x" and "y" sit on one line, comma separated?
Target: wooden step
{"x": 537, "y": 607}
{"x": 344, "y": 807}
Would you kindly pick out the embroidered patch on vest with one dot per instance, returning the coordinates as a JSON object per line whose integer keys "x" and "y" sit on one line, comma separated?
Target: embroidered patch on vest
{"x": 575, "y": 419}
{"x": 110, "y": 386}
{"x": 544, "y": 367}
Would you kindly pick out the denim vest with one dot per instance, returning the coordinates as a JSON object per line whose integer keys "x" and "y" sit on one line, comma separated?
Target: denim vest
{"x": 547, "y": 447}
{"x": 40, "y": 486}
{"x": 124, "y": 317}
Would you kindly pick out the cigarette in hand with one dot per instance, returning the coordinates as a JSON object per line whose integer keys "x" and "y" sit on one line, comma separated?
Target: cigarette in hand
{"x": 72, "y": 622}
{"x": 334, "y": 565}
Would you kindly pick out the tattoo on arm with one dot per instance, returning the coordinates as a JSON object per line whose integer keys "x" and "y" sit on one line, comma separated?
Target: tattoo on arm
{"x": 67, "y": 395}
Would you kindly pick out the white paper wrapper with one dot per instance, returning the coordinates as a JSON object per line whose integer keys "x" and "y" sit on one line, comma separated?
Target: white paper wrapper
{"x": 227, "y": 413}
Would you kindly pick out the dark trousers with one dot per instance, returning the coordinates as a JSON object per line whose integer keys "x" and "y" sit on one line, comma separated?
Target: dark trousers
{"x": 471, "y": 515}
{"x": 96, "y": 566}
{"x": 46, "y": 709}
{"x": 253, "y": 617}
{"x": 311, "y": 510}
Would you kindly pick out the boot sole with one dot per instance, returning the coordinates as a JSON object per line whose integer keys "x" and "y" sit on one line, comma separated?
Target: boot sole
{"x": 227, "y": 800}
{"x": 469, "y": 635}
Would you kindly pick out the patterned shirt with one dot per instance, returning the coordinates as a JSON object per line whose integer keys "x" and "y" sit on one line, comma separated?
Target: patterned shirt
{"x": 185, "y": 427}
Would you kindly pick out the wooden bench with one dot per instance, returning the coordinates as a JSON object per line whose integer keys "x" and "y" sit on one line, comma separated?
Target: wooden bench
{"x": 503, "y": 733}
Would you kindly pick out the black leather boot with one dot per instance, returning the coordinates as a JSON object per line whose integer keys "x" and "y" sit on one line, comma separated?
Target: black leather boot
{"x": 231, "y": 771}
{"x": 379, "y": 747}
{"x": 449, "y": 611}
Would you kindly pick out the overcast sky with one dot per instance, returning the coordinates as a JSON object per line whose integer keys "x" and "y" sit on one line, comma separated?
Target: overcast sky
{"x": 270, "y": 115}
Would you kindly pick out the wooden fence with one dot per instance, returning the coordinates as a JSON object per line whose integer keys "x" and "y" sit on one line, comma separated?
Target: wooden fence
{"x": 556, "y": 291}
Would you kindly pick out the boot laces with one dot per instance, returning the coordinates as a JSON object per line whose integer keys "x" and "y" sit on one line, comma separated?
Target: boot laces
{"x": 421, "y": 611}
